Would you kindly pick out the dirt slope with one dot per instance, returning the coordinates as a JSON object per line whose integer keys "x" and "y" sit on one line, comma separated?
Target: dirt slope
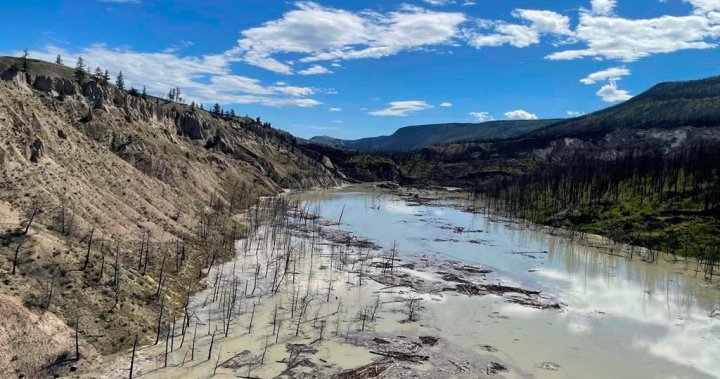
{"x": 108, "y": 170}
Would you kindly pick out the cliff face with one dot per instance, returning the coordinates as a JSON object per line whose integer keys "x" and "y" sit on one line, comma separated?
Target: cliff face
{"x": 128, "y": 161}
{"x": 109, "y": 178}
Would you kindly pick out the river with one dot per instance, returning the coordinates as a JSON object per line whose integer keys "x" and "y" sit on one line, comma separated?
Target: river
{"x": 589, "y": 311}
{"x": 623, "y": 318}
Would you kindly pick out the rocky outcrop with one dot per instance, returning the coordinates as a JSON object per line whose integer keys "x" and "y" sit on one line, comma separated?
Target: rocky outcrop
{"x": 36, "y": 150}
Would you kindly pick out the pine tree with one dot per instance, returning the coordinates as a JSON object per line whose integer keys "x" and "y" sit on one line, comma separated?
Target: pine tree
{"x": 58, "y": 60}
{"x": 25, "y": 64}
{"x": 106, "y": 78}
{"x": 144, "y": 93}
{"x": 216, "y": 109}
{"x": 98, "y": 73}
{"x": 120, "y": 82}
{"x": 171, "y": 94}
{"x": 232, "y": 113}
{"x": 202, "y": 107}
{"x": 178, "y": 95}
{"x": 80, "y": 73}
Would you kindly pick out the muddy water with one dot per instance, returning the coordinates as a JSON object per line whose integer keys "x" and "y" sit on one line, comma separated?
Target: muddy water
{"x": 623, "y": 318}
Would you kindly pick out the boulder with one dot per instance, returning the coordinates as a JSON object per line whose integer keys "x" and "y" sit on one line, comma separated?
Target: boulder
{"x": 36, "y": 150}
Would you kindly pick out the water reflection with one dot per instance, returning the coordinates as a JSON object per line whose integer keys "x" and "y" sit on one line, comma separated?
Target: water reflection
{"x": 659, "y": 309}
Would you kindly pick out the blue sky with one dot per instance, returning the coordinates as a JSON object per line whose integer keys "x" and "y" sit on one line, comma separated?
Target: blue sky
{"x": 365, "y": 68}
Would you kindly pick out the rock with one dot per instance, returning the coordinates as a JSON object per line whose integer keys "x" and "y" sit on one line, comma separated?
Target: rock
{"x": 191, "y": 127}
{"x": 43, "y": 83}
{"x": 327, "y": 163}
{"x": 429, "y": 340}
{"x": 549, "y": 366}
{"x": 715, "y": 313}
{"x": 61, "y": 134}
{"x": 489, "y": 348}
{"x": 9, "y": 74}
{"x": 36, "y": 150}
{"x": 493, "y": 368}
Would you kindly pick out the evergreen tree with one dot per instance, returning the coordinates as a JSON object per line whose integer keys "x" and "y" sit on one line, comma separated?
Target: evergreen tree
{"x": 144, "y": 93}
{"x": 178, "y": 95}
{"x": 106, "y": 78}
{"x": 202, "y": 107}
{"x": 171, "y": 94}
{"x": 216, "y": 109}
{"x": 80, "y": 73}
{"x": 232, "y": 113}
{"x": 192, "y": 105}
{"x": 134, "y": 92}
{"x": 120, "y": 82}
{"x": 58, "y": 60}
{"x": 25, "y": 64}
{"x": 98, "y": 73}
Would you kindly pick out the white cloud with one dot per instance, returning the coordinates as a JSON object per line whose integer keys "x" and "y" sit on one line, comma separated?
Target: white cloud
{"x": 616, "y": 38}
{"x": 316, "y": 33}
{"x": 203, "y": 79}
{"x": 402, "y": 108}
{"x": 537, "y": 23}
{"x": 520, "y": 114}
{"x": 315, "y": 70}
{"x": 335, "y": 109}
{"x": 603, "y": 7}
{"x": 481, "y": 116}
{"x": 575, "y": 113}
{"x": 446, "y": 104}
{"x": 468, "y": 3}
{"x": 438, "y": 3}
{"x": 613, "y": 73}
{"x": 610, "y": 93}
{"x": 545, "y": 21}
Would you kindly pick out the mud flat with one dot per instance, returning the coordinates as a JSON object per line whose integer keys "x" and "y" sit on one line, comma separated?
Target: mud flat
{"x": 355, "y": 283}
{"x": 306, "y": 298}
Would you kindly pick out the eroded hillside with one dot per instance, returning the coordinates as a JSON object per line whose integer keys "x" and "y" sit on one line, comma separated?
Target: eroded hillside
{"x": 128, "y": 199}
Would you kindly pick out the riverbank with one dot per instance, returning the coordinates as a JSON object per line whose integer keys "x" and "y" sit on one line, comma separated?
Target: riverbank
{"x": 305, "y": 297}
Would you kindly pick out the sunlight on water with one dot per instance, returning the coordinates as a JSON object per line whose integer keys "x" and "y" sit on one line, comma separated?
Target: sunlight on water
{"x": 624, "y": 318}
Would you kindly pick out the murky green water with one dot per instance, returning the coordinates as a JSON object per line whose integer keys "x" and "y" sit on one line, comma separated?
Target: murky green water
{"x": 624, "y": 318}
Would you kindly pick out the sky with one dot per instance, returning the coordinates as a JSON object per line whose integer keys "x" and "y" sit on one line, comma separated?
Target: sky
{"x": 353, "y": 69}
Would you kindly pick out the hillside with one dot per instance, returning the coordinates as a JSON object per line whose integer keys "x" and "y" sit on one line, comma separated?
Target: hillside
{"x": 666, "y": 105}
{"x": 421, "y": 136}
{"x": 98, "y": 188}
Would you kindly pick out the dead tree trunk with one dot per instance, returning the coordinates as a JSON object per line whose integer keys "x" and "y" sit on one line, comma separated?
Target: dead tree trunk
{"x": 87, "y": 254}
{"x": 132, "y": 359}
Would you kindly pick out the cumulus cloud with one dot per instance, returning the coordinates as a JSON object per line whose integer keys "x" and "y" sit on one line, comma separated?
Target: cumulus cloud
{"x": 520, "y": 114}
{"x": 574, "y": 113}
{"x": 613, "y": 73}
{"x": 611, "y": 37}
{"x": 610, "y": 93}
{"x": 481, "y": 116}
{"x": 446, "y": 104}
{"x": 603, "y": 7}
{"x": 315, "y": 70}
{"x": 604, "y": 34}
{"x": 316, "y": 33}
{"x": 536, "y": 24}
{"x": 203, "y": 79}
{"x": 402, "y": 108}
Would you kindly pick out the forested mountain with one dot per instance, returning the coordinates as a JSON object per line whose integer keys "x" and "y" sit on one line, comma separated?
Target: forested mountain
{"x": 421, "y": 136}
{"x": 646, "y": 171}
{"x": 666, "y": 105}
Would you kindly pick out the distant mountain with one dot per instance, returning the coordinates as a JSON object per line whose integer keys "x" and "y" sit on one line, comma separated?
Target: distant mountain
{"x": 421, "y": 136}
{"x": 666, "y": 105}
